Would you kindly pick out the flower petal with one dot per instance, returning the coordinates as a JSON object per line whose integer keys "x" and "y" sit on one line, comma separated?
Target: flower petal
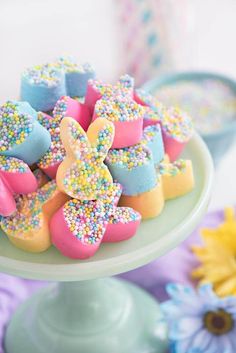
{"x": 180, "y": 292}
{"x": 200, "y": 341}
{"x": 181, "y": 346}
{"x": 185, "y": 327}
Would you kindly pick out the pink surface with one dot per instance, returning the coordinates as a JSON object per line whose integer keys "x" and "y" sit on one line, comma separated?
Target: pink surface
{"x": 78, "y": 111}
{"x": 127, "y": 133}
{"x": 51, "y": 171}
{"x": 7, "y": 202}
{"x": 172, "y": 147}
{"x": 120, "y": 231}
{"x": 14, "y": 183}
{"x": 66, "y": 242}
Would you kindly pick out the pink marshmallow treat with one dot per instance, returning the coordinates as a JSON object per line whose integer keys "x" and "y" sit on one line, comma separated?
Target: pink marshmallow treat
{"x": 15, "y": 178}
{"x": 127, "y": 117}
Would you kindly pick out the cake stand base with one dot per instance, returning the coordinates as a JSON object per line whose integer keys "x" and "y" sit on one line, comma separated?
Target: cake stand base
{"x": 96, "y": 316}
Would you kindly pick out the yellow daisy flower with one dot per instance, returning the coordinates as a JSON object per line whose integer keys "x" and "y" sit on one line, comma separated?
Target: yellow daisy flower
{"x": 218, "y": 256}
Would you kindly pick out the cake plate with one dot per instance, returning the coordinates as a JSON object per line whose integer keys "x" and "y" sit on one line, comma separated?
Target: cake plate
{"x": 84, "y": 312}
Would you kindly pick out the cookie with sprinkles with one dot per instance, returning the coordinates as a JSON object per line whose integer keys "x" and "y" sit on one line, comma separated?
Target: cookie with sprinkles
{"x": 177, "y": 178}
{"x": 177, "y": 130}
{"x": 65, "y": 106}
{"x": 97, "y": 89}
{"x": 132, "y": 167}
{"x": 21, "y": 135}
{"x": 82, "y": 174}
{"x": 78, "y": 227}
{"x": 76, "y": 75}
{"x": 127, "y": 117}
{"x": 28, "y": 227}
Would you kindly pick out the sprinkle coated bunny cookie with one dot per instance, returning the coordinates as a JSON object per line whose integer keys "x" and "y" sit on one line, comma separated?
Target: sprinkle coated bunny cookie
{"x": 21, "y": 135}
{"x": 28, "y": 227}
{"x": 82, "y": 174}
{"x": 15, "y": 178}
{"x": 42, "y": 85}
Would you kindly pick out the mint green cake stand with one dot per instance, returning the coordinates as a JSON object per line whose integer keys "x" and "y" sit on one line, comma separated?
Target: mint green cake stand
{"x": 88, "y": 313}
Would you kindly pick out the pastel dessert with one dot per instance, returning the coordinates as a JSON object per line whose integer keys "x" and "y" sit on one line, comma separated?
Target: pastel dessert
{"x": 177, "y": 130}
{"x": 82, "y": 174}
{"x": 132, "y": 167}
{"x": 123, "y": 222}
{"x": 28, "y": 227}
{"x": 148, "y": 204}
{"x": 76, "y": 75}
{"x": 74, "y": 108}
{"x": 15, "y": 178}
{"x": 97, "y": 89}
{"x": 127, "y": 117}
{"x": 154, "y": 109}
{"x": 21, "y": 135}
{"x": 42, "y": 85}
{"x": 66, "y": 106}
{"x": 152, "y": 138}
{"x": 78, "y": 227}
{"x": 122, "y": 225}
{"x": 177, "y": 178}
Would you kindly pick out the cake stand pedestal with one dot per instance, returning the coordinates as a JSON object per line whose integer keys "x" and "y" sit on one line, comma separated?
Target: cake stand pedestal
{"x": 88, "y": 313}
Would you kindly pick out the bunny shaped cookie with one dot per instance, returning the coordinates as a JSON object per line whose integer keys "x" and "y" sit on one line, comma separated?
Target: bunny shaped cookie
{"x": 83, "y": 175}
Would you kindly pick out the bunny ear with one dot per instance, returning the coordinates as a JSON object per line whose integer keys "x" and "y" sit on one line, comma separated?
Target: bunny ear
{"x": 73, "y": 137}
{"x": 101, "y": 134}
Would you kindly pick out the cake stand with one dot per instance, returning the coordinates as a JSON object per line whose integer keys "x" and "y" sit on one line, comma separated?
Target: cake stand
{"x": 85, "y": 312}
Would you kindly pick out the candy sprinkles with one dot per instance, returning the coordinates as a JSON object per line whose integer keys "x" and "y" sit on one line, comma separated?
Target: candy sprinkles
{"x": 124, "y": 215}
{"x": 177, "y": 124}
{"x": 56, "y": 152}
{"x": 86, "y": 220}
{"x": 13, "y": 165}
{"x": 150, "y": 101}
{"x": 29, "y": 209}
{"x": 118, "y": 109}
{"x": 172, "y": 169}
{"x": 210, "y": 102}
{"x": 68, "y": 64}
{"x": 14, "y": 127}
{"x": 45, "y": 75}
{"x": 129, "y": 157}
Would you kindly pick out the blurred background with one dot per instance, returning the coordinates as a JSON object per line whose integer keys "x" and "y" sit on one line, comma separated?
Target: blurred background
{"x": 147, "y": 38}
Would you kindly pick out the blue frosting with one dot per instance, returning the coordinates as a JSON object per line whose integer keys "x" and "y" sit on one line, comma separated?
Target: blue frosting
{"x": 155, "y": 142}
{"x": 76, "y": 83}
{"x": 137, "y": 180}
{"x": 43, "y": 85}
{"x": 35, "y": 144}
{"x": 41, "y": 96}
